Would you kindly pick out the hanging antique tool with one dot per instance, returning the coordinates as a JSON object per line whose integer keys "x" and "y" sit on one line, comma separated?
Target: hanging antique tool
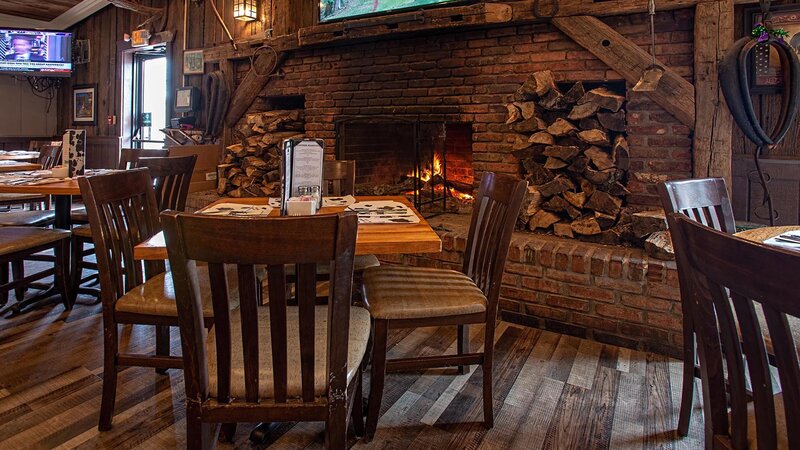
{"x": 653, "y": 73}
{"x": 734, "y": 73}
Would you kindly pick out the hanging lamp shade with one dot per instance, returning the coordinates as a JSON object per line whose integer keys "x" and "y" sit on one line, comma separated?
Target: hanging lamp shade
{"x": 245, "y": 10}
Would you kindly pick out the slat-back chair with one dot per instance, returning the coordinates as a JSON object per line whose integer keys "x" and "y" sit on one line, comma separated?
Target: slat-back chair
{"x": 49, "y": 156}
{"x": 123, "y": 212}
{"x": 171, "y": 178}
{"x": 339, "y": 177}
{"x": 741, "y": 277}
{"x": 273, "y": 363}
{"x": 412, "y": 297}
{"x": 706, "y": 201}
{"x": 129, "y": 157}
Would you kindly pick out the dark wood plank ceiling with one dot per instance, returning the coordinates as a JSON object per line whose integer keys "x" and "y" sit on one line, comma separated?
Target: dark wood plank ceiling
{"x": 40, "y": 10}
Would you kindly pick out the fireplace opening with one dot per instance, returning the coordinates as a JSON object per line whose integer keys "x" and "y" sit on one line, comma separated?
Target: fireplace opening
{"x": 429, "y": 162}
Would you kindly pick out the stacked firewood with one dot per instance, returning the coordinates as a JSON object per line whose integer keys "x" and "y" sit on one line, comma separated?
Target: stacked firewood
{"x": 574, "y": 153}
{"x": 251, "y": 168}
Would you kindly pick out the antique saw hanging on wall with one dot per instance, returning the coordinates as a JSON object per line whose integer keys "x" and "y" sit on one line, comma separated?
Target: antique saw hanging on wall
{"x": 735, "y": 78}
{"x": 157, "y": 16}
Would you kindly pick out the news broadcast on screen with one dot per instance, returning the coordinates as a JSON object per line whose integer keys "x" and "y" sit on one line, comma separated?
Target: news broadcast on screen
{"x": 29, "y": 52}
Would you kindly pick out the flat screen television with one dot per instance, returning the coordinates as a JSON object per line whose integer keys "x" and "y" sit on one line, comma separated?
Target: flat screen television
{"x": 330, "y": 10}
{"x": 35, "y": 53}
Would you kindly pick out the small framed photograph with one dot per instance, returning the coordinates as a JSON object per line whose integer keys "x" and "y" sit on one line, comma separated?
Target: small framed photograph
{"x": 84, "y": 104}
{"x": 193, "y": 62}
{"x": 767, "y": 77}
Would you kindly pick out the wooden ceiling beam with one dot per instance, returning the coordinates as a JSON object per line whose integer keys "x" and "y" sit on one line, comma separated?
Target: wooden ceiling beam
{"x": 675, "y": 94}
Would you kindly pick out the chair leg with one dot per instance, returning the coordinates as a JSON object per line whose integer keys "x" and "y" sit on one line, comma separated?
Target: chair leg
{"x": 336, "y": 428}
{"x": 110, "y": 350}
{"x": 358, "y": 407}
{"x": 687, "y": 391}
{"x": 379, "y": 343}
{"x": 76, "y": 264}
{"x": 162, "y": 344}
{"x": 62, "y": 273}
{"x": 18, "y": 269}
{"x": 488, "y": 364}
{"x": 4, "y": 268}
{"x": 463, "y": 346}
{"x": 200, "y": 435}
{"x": 227, "y": 432}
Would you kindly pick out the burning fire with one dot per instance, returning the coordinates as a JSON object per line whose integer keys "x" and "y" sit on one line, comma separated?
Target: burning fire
{"x": 428, "y": 173}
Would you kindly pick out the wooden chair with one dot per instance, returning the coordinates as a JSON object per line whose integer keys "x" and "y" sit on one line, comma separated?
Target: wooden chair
{"x": 743, "y": 277}
{"x": 412, "y": 297}
{"x": 706, "y": 201}
{"x": 129, "y": 157}
{"x": 275, "y": 363}
{"x": 49, "y": 156}
{"x": 171, "y": 178}
{"x": 123, "y": 212}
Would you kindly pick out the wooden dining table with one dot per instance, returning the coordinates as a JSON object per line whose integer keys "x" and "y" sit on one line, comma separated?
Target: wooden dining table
{"x": 764, "y": 233}
{"x": 61, "y": 190}
{"x": 373, "y": 239}
{"x": 19, "y": 156}
{"x": 17, "y": 166}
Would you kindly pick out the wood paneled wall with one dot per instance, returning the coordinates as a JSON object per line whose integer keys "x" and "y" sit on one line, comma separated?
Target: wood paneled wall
{"x": 106, "y": 28}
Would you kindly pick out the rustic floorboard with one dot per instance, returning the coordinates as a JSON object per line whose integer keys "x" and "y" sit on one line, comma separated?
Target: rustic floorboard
{"x": 551, "y": 391}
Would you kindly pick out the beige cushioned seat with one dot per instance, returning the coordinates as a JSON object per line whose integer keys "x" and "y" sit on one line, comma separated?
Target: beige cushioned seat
{"x": 400, "y": 292}
{"x": 15, "y": 239}
{"x": 157, "y": 296}
{"x": 356, "y": 347}
{"x": 27, "y": 218}
{"x": 360, "y": 263}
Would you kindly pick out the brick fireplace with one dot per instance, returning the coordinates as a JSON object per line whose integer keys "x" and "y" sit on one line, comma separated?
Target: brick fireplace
{"x": 609, "y": 293}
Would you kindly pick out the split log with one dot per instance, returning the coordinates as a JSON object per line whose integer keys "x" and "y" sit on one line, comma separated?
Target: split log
{"x": 604, "y": 98}
{"x": 532, "y": 151}
{"x": 558, "y": 204}
{"x": 542, "y": 219}
{"x": 528, "y": 109}
{"x": 554, "y": 163}
{"x": 599, "y": 177}
{"x": 531, "y": 204}
{"x": 521, "y": 142}
{"x": 659, "y": 246}
{"x": 586, "y": 186}
{"x": 574, "y": 94}
{"x": 537, "y": 173}
{"x": 543, "y": 138}
{"x": 604, "y": 202}
{"x": 514, "y": 114}
{"x": 613, "y": 121}
{"x": 605, "y": 221}
{"x": 583, "y": 111}
{"x": 590, "y": 123}
{"x": 563, "y": 230}
{"x": 553, "y": 101}
{"x": 561, "y": 127}
{"x": 564, "y": 153}
{"x": 595, "y": 137}
{"x": 586, "y": 225}
{"x": 646, "y": 223}
{"x": 607, "y": 237}
{"x": 620, "y": 153}
{"x": 578, "y": 164}
{"x": 617, "y": 189}
{"x": 557, "y": 185}
{"x": 529, "y": 125}
{"x": 600, "y": 159}
{"x": 576, "y": 199}
{"x": 540, "y": 83}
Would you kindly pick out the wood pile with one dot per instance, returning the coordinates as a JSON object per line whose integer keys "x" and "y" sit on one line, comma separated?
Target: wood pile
{"x": 574, "y": 153}
{"x": 251, "y": 168}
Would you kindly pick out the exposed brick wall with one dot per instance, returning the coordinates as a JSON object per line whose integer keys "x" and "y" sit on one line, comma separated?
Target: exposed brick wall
{"x": 466, "y": 76}
{"x": 610, "y": 294}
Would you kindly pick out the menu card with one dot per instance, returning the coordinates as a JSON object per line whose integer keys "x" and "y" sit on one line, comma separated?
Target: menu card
{"x": 73, "y": 153}
{"x": 301, "y": 166}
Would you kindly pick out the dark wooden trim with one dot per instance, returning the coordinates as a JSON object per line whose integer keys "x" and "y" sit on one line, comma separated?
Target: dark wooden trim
{"x": 428, "y": 362}
{"x": 437, "y": 321}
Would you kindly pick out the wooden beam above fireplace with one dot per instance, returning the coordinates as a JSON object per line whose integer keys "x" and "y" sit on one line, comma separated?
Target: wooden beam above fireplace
{"x": 674, "y": 93}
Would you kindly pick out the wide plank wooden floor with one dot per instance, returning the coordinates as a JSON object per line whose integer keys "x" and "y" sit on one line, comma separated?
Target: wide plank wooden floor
{"x": 551, "y": 392}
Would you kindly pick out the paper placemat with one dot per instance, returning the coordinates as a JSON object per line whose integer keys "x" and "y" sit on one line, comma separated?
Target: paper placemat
{"x": 784, "y": 243}
{"x": 383, "y": 211}
{"x": 347, "y": 200}
{"x": 238, "y": 210}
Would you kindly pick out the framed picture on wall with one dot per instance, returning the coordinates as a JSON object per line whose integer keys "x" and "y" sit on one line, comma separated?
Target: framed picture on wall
{"x": 765, "y": 75}
{"x": 84, "y": 104}
{"x": 193, "y": 62}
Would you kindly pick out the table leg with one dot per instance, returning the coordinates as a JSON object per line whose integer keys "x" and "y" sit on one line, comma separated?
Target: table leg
{"x": 63, "y": 208}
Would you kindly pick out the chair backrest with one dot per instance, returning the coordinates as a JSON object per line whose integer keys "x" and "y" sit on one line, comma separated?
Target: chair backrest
{"x": 129, "y": 157}
{"x": 171, "y": 177}
{"x": 493, "y": 217}
{"x": 339, "y": 177}
{"x": 704, "y": 200}
{"x": 122, "y": 212}
{"x": 49, "y": 156}
{"x": 34, "y": 146}
{"x": 304, "y": 241}
{"x": 755, "y": 275}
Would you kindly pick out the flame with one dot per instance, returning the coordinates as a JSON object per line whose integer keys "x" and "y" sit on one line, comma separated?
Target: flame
{"x": 427, "y": 173}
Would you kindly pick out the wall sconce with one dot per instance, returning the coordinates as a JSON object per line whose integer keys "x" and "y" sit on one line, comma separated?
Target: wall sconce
{"x": 245, "y": 10}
